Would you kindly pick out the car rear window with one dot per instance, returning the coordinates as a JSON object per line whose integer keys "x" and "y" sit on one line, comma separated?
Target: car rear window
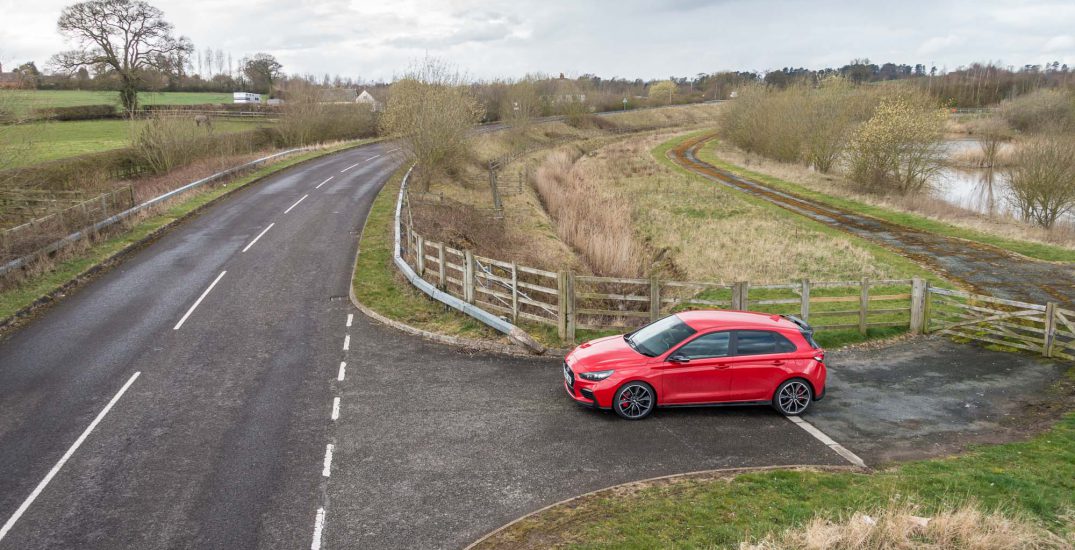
{"x": 759, "y": 342}
{"x": 660, "y": 336}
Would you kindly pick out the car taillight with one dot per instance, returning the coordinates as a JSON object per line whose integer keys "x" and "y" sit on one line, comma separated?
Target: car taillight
{"x": 819, "y": 357}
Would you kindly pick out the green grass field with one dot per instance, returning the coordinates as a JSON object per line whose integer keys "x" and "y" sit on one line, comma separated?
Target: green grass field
{"x": 46, "y": 141}
{"x": 22, "y": 102}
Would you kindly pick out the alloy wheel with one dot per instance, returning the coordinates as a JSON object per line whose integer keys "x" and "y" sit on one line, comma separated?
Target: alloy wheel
{"x": 793, "y": 397}
{"x": 634, "y": 401}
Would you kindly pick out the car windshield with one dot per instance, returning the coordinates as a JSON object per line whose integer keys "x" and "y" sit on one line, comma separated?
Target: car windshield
{"x": 656, "y": 338}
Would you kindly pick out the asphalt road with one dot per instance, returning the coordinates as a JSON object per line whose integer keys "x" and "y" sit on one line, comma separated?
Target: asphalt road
{"x": 217, "y": 432}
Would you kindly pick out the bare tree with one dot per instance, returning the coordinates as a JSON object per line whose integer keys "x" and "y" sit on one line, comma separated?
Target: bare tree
{"x": 432, "y": 111}
{"x": 991, "y": 133}
{"x": 126, "y": 36}
{"x": 1042, "y": 179}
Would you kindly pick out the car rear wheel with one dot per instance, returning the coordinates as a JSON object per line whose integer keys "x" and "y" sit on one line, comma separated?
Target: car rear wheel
{"x": 634, "y": 401}
{"x": 793, "y": 397}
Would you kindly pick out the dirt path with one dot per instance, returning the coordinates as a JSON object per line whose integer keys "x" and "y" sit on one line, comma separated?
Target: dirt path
{"x": 984, "y": 268}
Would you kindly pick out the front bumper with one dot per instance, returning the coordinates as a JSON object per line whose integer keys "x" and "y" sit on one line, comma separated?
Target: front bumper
{"x": 581, "y": 391}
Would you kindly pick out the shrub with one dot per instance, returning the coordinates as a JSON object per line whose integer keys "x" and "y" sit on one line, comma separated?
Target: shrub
{"x": 990, "y": 132}
{"x": 899, "y": 149}
{"x": 1042, "y": 179}
{"x": 1040, "y": 110}
{"x": 78, "y": 112}
{"x": 306, "y": 120}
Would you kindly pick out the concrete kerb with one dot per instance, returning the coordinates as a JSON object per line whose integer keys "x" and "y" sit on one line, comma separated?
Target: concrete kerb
{"x": 724, "y": 472}
{"x": 107, "y": 263}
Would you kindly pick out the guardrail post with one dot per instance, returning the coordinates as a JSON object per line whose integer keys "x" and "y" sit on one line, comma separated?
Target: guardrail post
{"x": 570, "y": 307}
{"x": 864, "y": 304}
{"x": 654, "y": 299}
{"x": 561, "y": 305}
{"x": 804, "y": 295}
{"x": 514, "y": 293}
{"x": 421, "y": 256}
{"x": 1050, "y": 329}
{"x": 468, "y": 277}
{"x": 443, "y": 269}
{"x": 918, "y": 305}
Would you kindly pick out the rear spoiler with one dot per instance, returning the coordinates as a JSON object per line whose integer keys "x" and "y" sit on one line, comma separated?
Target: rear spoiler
{"x": 807, "y": 330}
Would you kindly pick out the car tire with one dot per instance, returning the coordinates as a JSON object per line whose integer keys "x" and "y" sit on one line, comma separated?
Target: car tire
{"x": 793, "y": 397}
{"x": 634, "y": 401}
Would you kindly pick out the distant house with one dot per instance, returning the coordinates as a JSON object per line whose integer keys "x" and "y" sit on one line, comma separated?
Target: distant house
{"x": 10, "y": 80}
{"x": 367, "y": 98}
{"x": 245, "y": 97}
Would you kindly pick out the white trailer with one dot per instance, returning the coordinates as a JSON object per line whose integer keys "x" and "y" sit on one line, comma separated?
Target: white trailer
{"x": 245, "y": 97}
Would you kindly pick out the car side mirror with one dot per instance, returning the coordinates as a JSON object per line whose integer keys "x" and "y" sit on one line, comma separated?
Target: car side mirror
{"x": 678, "y": 358}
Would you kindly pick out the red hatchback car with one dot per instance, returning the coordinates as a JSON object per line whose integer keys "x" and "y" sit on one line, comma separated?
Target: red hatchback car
{"x": 700, "y": 358}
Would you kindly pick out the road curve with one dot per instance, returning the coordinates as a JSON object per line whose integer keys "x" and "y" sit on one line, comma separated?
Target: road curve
{"x": 988, "y": 269}
{"x": 194, "y": 397}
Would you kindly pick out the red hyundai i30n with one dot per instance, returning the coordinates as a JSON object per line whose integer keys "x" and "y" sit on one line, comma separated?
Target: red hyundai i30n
{"x": 700, "y": 358}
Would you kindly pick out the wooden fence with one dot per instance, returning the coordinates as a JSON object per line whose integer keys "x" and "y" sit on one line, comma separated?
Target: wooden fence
{"x": 569, "y": 301}
{"x": 47, "y": 215}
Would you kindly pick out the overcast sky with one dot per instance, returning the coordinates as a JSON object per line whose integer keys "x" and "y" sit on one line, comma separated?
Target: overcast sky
{"x": 374, "y": 40}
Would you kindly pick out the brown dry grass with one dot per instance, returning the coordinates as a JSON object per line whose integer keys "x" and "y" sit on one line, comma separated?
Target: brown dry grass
{"x": 966, "y": 528}
{"x": 673, "y": 225}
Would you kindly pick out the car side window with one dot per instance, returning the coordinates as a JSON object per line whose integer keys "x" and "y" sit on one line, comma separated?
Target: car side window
{"x": 714, "y": 344}
{"x": 761, "y": 342}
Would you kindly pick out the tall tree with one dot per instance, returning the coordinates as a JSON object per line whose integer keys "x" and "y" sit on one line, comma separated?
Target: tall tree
{"x": 262, "y": 70}
{"x": 126, "y": 36}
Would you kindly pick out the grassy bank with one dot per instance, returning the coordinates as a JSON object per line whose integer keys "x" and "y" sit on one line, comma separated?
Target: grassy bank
{"x": 25, "y": 101}
{"x": 78, "y": 263}
{"x": 54, "y": 140}
{"x": 1033, "y": 480}
{"x": 1041, "y": 251}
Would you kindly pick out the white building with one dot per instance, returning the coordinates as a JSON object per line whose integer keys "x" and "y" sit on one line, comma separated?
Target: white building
{"x": 368, "y": 99}
{"x": 245, "y": 97}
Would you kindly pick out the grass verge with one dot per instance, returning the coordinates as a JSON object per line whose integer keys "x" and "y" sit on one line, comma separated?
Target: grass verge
{"x": 1038, "y": 251}
{"x": 1033, "y": 479}
{"x": 66, "y": 271}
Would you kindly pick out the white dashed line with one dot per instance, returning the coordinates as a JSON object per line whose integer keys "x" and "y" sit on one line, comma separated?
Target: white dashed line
{"x": 327, "y": 470}
{"x": 350, "y": 317}
{"x": 336, "y": 408}
{"x": 324, "y": 182}
{"x": 319, "y": 526}
{"x": 343, "y": 371}
{"x": 266, "y": 230}
{"x": 63, "y": 460}
{"x": 820, "y": 436}
{"x": 198, "y": 301}
{"x": 347, "y": 342}
{"x": 296, "y": 204}
{"x": 373, "y": 157}
{"x": 350, "y": 167}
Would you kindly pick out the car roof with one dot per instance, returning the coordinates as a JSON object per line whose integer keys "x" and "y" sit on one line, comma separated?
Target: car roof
{"x": 705, "y": 320}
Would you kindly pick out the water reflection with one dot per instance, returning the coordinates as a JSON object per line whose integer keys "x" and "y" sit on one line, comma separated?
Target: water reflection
{"x": 983, "y": 190}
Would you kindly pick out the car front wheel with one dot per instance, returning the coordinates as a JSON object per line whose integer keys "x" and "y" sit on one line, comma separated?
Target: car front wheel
{"x": 634, "y": 401}
{"x": 793, "y": 397}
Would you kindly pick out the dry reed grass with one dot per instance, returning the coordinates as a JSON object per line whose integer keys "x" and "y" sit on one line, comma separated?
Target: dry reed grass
{"x": 967, "y": 528}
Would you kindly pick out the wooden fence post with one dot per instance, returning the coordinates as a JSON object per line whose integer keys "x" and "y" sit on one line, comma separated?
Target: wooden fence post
{"x": 468, "y": 277}
{"x": 421, "y": 256}
{"x": 804, "y": 307}
{"x": 918, "y": 305}
{"x": 864, "y": 304}
{"x": 740, "y": 292}
{"x": 654, "y": 299}
{"x": 927, "y": 302}
{"x": 561, "y": 305}
{"x": 443, "y": 275}
{"x": 514, "y": 292}
{"x": 1050, "y": 329}
{"x": 571, "y": 307}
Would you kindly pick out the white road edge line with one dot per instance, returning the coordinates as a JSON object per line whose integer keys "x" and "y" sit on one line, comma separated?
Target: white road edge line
{"x": 296, "y": 204}
{"x": 336, "y": 408}
{"x": 327, "y": 470}
{"x": 373, "y": 157}
{"x": 259, "y": 236}
{"x": 820, "y": 436}
{"x": 350, "y": 167}
{"x": 324, "y": 182}
{"x": 350, "y": 317}
{"x": 198, "y": 301}
{"x": 347, "y": 342}
{"x": 343, "y": 371}
{"x": 319, "y": 526}
{"x": 63, "y": 460}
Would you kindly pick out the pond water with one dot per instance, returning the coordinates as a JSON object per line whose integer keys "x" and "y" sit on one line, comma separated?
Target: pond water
{"x": 978, "y": 189}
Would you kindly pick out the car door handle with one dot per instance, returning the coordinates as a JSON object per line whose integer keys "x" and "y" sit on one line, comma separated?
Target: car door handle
{"x": 721, "y": 366}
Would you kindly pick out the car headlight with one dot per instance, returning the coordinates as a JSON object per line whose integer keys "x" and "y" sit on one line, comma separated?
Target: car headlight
{"x": 595, "y": 376}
